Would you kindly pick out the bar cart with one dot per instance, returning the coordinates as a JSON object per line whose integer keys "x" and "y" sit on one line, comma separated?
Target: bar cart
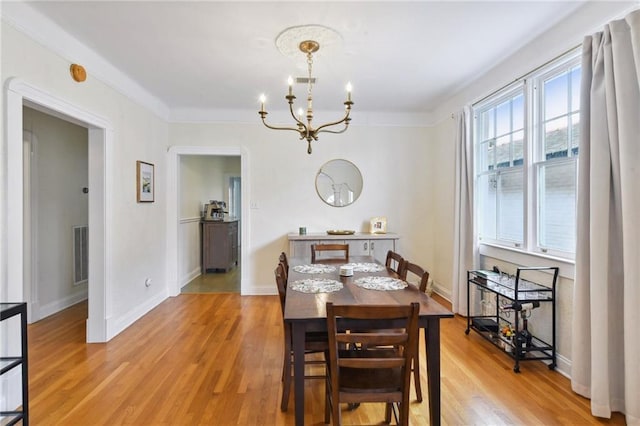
{"x": 502, "y": 295}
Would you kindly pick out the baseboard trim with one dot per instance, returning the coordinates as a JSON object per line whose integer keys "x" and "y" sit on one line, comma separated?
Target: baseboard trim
{"x": 43, "y": 311}
{"x": 186, "y": 279}
{"x": 563, "y": 366}
{"x": 116, "y": 325}
{"x": 442, "y": 291}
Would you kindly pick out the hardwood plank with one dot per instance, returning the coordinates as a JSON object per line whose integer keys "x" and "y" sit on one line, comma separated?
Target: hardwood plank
{"x": 216, "y": 359}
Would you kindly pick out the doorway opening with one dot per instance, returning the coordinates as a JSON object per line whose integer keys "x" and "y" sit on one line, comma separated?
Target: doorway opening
{"x": 55, "y": 213}
{"x": 209, "y": 223}
{"x": 177, "y": 274}
{"x": 100, "y": 134}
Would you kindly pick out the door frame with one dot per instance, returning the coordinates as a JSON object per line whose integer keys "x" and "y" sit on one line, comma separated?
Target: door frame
{"x": 173, "y": 208}
{"x": 100, "y": 139}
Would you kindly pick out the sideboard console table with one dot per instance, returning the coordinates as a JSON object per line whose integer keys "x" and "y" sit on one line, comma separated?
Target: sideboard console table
{"x": 219, "y": 245}
{"x": 360, "y": 243}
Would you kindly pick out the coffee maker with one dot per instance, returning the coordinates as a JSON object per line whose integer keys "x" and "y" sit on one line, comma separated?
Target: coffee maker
{"x": 215, "y": 210}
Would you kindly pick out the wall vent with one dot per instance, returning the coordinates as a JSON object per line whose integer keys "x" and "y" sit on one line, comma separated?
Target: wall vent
{"x": 80, "y": 254}
{"x": 305, "y": 80}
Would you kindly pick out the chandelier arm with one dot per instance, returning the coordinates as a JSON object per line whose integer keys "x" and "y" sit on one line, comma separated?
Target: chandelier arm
{"x": 346, "y": 126}
{"x": 300, "y": 123}
{"x": 279, "y": 127}
{"x": 334, "y": 123}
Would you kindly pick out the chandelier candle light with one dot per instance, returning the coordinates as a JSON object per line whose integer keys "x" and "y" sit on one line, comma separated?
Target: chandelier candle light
{"x": 306, "y": 130}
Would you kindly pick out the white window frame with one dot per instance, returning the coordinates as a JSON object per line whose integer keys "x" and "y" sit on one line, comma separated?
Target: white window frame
{"x": 495, "y": 100}
{"x": 537, "y": 151}
{"x": 530, "y": 252}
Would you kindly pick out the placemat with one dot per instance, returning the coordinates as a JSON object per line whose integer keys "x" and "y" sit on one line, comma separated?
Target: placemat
{"x": 316, "y": 268}
{"x": 380, "y": 283}
{"x": 316, "y": 285}
{"x": 366, "y": 267}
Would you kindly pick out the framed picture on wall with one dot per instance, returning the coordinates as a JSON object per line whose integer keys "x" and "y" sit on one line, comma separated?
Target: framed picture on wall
{"x": 378, "y": 225}
{"x": 145, "y": 182}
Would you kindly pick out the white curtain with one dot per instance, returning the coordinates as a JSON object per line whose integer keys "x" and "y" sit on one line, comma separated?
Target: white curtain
{"x": 464, "y": 250}
{"x": 606, "y": 305}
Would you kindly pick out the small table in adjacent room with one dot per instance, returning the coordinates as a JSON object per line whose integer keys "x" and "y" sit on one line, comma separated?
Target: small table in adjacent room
{"x": 219, "y": 245}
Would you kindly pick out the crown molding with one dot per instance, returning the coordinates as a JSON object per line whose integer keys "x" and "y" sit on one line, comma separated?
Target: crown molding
{"x": 237, "y": 116}
{"x": 25, "y": 19}
{"x": 22, "y": 17}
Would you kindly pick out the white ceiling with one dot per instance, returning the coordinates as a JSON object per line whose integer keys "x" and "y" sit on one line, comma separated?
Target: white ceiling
{"x": 211, "y": 55}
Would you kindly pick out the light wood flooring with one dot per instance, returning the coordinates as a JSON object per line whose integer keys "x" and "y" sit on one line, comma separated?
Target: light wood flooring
{"x": 216, "y": 359}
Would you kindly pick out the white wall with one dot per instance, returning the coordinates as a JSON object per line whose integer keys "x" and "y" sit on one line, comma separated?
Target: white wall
{"x": 60, "y": 163}
{"x": 393, "y": 162}
{"x": 202, "y": 178}
{"x": 136, "y": 232}
{"x": 443, "y": 172}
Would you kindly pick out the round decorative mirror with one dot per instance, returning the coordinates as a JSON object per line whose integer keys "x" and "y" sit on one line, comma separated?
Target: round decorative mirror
{"x": 339, "y": 183}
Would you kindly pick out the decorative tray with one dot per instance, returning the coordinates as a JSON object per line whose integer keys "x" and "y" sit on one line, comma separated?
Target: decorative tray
{"x": 340, "y": 232}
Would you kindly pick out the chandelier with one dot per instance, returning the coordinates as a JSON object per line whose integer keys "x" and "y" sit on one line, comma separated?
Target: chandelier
{"x": 304, "y": 122}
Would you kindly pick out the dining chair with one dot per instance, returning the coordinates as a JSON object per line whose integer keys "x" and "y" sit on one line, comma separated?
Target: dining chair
{"x": 372, "y": 365}
{"x": 413, "y": 273}
{"x": 315, "y": 342}
{"x": 332, "y": 249}
{"x": 285, "y": 263}
{"x": 417, "y": 272}
{"x": 394, "y": 261}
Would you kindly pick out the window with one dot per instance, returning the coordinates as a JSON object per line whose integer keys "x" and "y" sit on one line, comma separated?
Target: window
{"x": 526, "y": 141}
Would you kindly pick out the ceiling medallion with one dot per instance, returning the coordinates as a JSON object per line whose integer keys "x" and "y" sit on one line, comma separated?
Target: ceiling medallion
{"x": 308, "y": 38}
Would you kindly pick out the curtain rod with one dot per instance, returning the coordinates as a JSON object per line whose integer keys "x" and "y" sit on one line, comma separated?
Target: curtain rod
{"x": 555, "y": 58}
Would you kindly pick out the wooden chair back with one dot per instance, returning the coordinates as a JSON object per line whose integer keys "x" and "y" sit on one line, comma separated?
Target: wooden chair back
{"x": 314, "y": 342}
{"x": 411, "y": 273}
{"x": 376, "y": 364}
{"x": 394, "y": 261}
{"x": 333, "y": 248}
{"x": 285, "y": 261}
{"x": 282, "y": 259}
{"x": 281, "y": 283}
{"x": 418, "y": 273}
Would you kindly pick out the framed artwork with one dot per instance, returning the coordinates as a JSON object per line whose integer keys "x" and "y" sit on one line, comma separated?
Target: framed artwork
{"x": 378, "y": 225}
{"x": 145, "y": 182}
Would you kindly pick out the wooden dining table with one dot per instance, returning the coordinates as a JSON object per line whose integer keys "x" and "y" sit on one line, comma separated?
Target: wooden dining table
{"x": 307, "y": 312}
